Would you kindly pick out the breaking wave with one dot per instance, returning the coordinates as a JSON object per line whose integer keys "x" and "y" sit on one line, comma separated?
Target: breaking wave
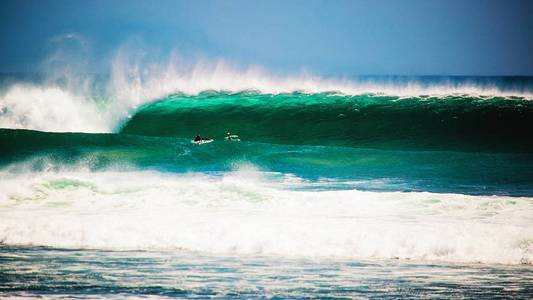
{"x": 452, "y": 122}
{"x": 69, "y": 103}
{"x": 243, "y": 212}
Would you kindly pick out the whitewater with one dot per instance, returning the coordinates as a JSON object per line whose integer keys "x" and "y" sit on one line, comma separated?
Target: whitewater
{"x": 72, "y": 102}
{"x": 335, "y": 182}
{"x": 242, "y": 213}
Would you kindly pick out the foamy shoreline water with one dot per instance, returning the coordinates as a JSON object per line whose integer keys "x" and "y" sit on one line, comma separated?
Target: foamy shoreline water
{"x": 240, "y": 213}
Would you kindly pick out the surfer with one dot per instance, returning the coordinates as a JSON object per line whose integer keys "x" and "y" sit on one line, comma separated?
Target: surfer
{"x": 232, "y": 137}
{"x": 201, "y": 140}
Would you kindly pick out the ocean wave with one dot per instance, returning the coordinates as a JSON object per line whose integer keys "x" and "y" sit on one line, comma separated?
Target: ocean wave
{"x": 67, "y": 103}
{"x": 453, "y": 122}
{"x": 243, "y": 212}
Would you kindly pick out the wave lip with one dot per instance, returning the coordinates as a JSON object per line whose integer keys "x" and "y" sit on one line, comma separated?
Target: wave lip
{"x": 134, "y": 80}
{"x": 243, "y": 213}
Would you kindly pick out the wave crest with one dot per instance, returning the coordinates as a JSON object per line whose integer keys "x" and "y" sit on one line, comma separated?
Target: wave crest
{"x": 70, "y": 106}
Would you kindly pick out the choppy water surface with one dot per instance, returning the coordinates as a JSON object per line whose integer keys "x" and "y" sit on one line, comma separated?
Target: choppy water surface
{"x": 48, "y": 272}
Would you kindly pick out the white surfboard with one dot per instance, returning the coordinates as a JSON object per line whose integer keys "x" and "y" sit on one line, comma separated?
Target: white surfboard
{"x": 202, "y": 141}
{"x": 233, "y": 138}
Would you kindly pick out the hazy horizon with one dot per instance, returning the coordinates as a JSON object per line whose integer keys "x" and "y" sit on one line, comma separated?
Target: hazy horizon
{"x": 343, "y": 38}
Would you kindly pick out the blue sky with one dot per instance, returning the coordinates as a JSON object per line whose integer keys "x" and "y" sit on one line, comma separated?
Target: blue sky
{"x": 415, "y": 37}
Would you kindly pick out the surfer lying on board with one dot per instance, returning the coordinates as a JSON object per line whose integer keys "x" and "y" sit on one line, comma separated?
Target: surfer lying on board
{"x": 201, "y": 140}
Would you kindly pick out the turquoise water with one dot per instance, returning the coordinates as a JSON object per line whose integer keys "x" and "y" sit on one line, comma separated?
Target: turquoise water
{"x": 490, "y": 173}
{"x": 405, "y": 193}
{"x": 458, "y": 122}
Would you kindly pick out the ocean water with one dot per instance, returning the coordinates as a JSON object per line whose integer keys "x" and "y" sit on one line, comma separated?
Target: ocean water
{"x": 370, "y": 187}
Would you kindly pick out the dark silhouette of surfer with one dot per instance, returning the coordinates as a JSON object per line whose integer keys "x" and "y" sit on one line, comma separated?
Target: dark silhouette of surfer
{"x": 198, "y": 138}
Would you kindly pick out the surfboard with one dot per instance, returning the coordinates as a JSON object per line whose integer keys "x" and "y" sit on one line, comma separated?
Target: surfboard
{"x": 203, "y": 141}
{"x": 233, "y": 138}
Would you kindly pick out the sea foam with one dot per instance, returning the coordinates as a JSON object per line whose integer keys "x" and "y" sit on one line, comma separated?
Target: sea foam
{"x": 244, "y": 212}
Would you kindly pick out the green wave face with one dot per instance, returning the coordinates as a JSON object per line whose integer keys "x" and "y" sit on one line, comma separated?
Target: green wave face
{"x": 446, "y": 123}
